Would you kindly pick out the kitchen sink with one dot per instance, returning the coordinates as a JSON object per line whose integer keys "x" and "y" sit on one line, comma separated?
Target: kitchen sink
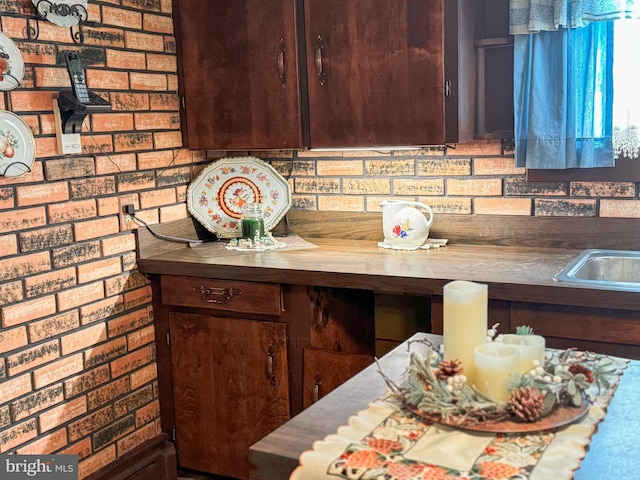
{"x": 610, "y": 269}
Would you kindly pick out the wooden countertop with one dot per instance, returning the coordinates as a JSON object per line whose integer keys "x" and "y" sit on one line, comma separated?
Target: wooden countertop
{"x": 611, "y": 453}
{"x": 515, "y": 273}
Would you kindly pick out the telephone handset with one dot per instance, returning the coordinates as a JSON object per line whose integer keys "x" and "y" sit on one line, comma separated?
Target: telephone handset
{"x": 76, "y": 74}
{"x": 76, "y": 102}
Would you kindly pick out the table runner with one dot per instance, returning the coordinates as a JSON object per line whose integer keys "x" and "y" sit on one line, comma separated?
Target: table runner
{"x": 383, "y": 442}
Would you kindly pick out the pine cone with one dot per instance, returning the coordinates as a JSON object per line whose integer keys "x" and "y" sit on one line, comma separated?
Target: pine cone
{"x": 449, "y": 368}
{"x": 576, "y": 368}
{"x": 527, "y": 403}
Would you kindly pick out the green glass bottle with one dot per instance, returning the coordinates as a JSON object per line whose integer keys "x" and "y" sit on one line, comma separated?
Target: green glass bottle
{"x": 252, "y": 221}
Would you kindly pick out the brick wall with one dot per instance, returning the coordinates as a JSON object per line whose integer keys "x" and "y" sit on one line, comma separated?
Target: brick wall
{"x": 77, "y": 369}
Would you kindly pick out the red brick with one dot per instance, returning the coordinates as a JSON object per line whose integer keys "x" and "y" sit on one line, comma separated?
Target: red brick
{"x": 17, "y": 267}
{"x": 105, "y": 352}
{"x": 57, "y": 370}
{"x": 49, "y": 282}
{"x": 174, "y": 212}
{"x": 125, "y": 282}
{"x": 619, "y": 208}
{"x": 92, "y": 187}
{"x": 477, "y": 147}
{"x": 163, "y": 101}
{"x": 112, "y": 122}
{"x": 80, "y": 295}
{"x": 82, "y": 449}
{"x": 47, "y": 124}
{"x": 28, "y": 195}
{"x": 45, "y": 238}
{"x": 108, "y": 206}
{"x": 102, "y": 309}
{"x": 22, "y": 219}
{"x": 138, "y": 297}
{"x": 32, "y": 100}
{"x": 90, "y": 423}
{"x": 144, "y": 375}
{"x": 144, "y": 41}
{"x": 75, "y": 254}
{"x": 496, "y": 166}
{"x": 72, "y": 211}
{"x": 136, "y": 181}
{"x": 62, "y": 414}
{"x": 161, "y": 62}
{"x": 157, "y": 23}
{"x": 133, "y": 101}
{"x": 128, "y": 322}
{"x": 155, "y": 159}
{"x": 69, "y": 168}
{"x": 18, "y": 434}
{"x": 156, "y": 121}
{"x": 28, "y": 310}
{"x": 119, "y": 17}
{"x": 603, "y": 189}
{"x": 53, "y": 326}
{"x": 132, "y": 361}
{"x": 95, "y": 462}
{"x": 92, "y": 271}
{"x": 36, "y": 402}
{"x": 15, "y": 387}
{"x": 133, "y": 401}
{"x": 50, "y": 77}
{"x": 45, "y": 444}
{"x": 129, "y": 261}
{"x": 167, "y": 139}
{"x": 128, "y": 60}
{"x": 108, "y": 393}
{"x": 148, "y": 413}
{"x": 503, "y": 206}
{"x": 6, "y": 198}
{"x": 124, "y": 142}
{"x": 96, "y": 228}
{"x": 120, "y": 244}
{"x": 474, "y": 187}
{"x": 11, "y": 292}
{"x": 86, "y": 381}
{"x": 125, "y": 162}
{"x": 565, "y": 207}
{"x": 107, "y": 80}
{"x": 114, "y": 431}
{"x": 140, "y": 337}
{"x": 156, "y": 198}
{"x": 46, "y": 147}
{"x": 35, "y": 175}
{"x": 136, "y": 438}
{"x": 84, "y": 338}
{"x": 41, "y": 53}
{"x": 11, "y": 339}
{"x": 8, "y": 245}
{"x": 97, "y": 144}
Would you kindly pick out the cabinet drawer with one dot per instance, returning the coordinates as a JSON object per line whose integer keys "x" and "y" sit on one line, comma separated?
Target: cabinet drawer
{"x": 222, "y": 295}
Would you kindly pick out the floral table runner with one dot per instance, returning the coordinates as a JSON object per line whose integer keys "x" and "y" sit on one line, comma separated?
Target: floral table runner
{"x": 386, "y": 443}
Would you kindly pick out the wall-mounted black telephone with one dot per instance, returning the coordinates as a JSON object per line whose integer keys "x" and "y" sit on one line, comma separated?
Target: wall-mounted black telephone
{"x": 76, "y": 102}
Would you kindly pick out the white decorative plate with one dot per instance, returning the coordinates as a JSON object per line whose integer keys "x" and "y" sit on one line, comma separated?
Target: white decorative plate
{"x": 64, "y": 13}
{"x": 219, "y": 193}
{"x": 17, "y": 146}
{"x": 11, "y": 64}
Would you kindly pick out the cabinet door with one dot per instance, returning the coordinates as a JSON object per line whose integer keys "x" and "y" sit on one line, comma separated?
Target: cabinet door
{"x": 238, "y": 73}
{"x": 375, "y": 72}
{"x": 230, "y": 389}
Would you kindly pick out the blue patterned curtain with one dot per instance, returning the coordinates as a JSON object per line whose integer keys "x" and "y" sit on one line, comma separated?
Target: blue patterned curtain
{"x": 563, "y": 80}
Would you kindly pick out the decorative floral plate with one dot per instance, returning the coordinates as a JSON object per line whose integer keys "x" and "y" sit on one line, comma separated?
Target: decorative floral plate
{"x": 11, "y": 64}
{"x": 17, "y": 146}
{"x": 220, "y": 192}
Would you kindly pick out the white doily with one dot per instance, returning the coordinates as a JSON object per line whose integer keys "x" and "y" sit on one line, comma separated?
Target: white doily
{"x": 430, "y": 243}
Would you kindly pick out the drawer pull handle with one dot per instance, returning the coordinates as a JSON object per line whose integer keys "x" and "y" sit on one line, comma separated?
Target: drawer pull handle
{"x": 315, "y": 396}
{"x": 270, "y": 375}
{"x": 281, "y": 71}
{"x": 216, "y": 294}
{"x": 322, "y": 76}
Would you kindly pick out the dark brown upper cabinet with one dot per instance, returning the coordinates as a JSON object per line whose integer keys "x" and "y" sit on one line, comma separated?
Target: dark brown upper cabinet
{"x": 287, "y": 74}
{"x": 238, "y": 73}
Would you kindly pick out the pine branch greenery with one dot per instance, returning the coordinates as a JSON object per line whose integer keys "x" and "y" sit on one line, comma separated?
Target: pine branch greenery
{"x": 564, "y": 380}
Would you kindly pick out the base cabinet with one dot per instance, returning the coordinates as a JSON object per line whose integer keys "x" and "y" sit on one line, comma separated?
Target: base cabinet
{"x": 230, "y": 388}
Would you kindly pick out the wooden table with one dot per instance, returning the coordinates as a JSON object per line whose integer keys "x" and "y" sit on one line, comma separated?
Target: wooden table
{"x": 612, "y": 452}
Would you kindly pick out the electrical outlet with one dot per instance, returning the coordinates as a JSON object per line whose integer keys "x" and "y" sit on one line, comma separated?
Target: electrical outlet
{"x": 126, "y": 220}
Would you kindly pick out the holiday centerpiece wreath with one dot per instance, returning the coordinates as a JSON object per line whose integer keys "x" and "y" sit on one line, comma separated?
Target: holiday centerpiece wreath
{"x": 549, "y": 395}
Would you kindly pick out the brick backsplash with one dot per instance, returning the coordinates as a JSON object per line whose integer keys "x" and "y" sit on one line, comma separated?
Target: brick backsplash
{"x": 77, "y": 365}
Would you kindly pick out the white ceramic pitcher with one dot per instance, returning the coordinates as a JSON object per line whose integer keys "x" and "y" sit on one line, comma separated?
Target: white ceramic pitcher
{"x": 404, "y": 225}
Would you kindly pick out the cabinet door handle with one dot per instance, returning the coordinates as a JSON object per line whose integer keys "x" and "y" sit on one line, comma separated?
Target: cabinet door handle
{"x": 317, "y": 382}
{"x": 281, "y": 71}
{"x": 322, "y": 76}
{"x": 271, "y": 353}
{"x": 216, "y": 294}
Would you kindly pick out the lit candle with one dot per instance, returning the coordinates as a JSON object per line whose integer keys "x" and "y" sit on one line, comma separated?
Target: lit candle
{"x": 495, "y": 364}
{"x": 464, "y": 322}
{"x": 530, "y": 348}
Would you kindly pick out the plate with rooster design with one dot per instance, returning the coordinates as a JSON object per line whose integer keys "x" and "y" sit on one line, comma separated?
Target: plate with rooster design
{"x": 219, "y": 193}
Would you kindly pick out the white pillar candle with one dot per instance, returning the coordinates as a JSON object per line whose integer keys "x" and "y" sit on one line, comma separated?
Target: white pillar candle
{"x": 464, "y": 322}
{"x": 530, "y": 348}
{"x": 495, "y": 364}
